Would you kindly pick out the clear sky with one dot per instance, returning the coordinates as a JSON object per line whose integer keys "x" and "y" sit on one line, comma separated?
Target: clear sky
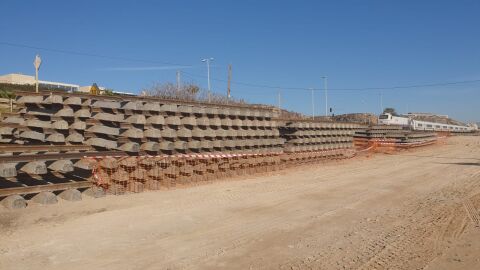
{"x": 289, "y": 44}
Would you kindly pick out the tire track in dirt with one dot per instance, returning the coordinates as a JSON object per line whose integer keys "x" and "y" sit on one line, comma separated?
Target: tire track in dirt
{"x": 472, "y": 212}
{"x": 415, "y": 249}
{"x": 256, "y": 227}
{"x": 430, "y": 223}
{"x": 239, "y": 240}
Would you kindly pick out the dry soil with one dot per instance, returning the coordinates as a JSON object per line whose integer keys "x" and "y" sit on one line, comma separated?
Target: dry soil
{"x": 408, "y": 210}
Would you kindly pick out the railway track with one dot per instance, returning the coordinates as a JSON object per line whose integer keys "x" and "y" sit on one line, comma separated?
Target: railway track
{"x": 26, "y": 190}
{"x": 10, "y": 148}
{"x": 42, "y": 172}
{"x": 58, "y": 156}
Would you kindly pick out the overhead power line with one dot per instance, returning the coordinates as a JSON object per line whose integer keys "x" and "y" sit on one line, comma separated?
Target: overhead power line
{"x": 254, "y": 85}
{"x": 90, "y": 54}
{"x": 276, "y": 87}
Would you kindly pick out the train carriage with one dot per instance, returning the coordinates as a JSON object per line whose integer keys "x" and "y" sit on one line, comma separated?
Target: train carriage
{"x": 389, "y": 119}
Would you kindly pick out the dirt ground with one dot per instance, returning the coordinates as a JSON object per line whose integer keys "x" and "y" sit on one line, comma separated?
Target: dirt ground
{"x": 410, "y": 210}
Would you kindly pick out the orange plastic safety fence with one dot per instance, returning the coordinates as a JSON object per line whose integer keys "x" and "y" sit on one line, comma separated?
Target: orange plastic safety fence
{"x": 138, "y": 173}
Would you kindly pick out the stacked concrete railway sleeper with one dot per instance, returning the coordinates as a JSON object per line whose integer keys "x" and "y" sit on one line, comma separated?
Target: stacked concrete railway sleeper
{"x": 393, "y": 135}
{"x": 135, "y": 174}
{"x": 304, "y": 135}
{"x": 102, "y": 124}
{"x": 133, "y": 124}
{"x": 48, "y": 119}
{"x": 152, "y": 143}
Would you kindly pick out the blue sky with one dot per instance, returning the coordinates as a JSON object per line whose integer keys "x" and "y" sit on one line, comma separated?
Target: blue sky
{"x": 291, "y": 44}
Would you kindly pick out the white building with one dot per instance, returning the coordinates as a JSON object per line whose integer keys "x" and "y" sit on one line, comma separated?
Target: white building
{"x": 22, "y": 79}
{"x": 86, "y": 89}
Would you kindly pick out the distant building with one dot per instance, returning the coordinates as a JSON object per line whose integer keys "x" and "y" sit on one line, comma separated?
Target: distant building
{"x": 21, "y": 79}
{"x": 88, "y": 88}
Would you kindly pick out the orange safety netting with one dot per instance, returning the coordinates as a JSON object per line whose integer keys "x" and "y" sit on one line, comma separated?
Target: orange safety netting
{"x": 136, "y": 173}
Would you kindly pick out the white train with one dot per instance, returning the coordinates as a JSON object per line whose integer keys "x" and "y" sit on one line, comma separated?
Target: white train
{"x": 389, "y": 119}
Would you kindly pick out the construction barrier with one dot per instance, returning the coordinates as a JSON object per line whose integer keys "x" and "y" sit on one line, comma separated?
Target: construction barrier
{"x": 367, "y": 145}
{"x": 136, "y": 173}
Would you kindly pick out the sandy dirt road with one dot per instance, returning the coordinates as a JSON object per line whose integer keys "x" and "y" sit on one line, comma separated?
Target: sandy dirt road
{"x": 411, "y": 210}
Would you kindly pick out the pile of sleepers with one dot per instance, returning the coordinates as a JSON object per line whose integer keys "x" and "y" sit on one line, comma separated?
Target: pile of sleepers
{"x": 393, "y": 136}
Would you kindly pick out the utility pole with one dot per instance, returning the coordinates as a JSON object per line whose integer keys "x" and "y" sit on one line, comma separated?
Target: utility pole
{"x": 313, "y": 105}
{"x": 229, "y": 80}
{"x": 325, "y": 82}
{"x": 363, "y": 102}
{"x": 279, "y": 100}
{"x": 178, "y": 80}
{"x": 36, "y": 63}
{"x": 381, "y": 101}
{"x": 207, "y": 60}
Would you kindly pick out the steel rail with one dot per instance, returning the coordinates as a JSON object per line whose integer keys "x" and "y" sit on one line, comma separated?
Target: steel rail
{"x": 40, "y": 188}
{"x": 58, "y": 156}
{"x": 42, "y": 148}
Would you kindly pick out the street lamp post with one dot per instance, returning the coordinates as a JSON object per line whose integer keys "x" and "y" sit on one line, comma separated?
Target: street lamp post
{"x": 325, "y": 81}
{"x": 178, "y": 80}
{"x": 207, "y": 60}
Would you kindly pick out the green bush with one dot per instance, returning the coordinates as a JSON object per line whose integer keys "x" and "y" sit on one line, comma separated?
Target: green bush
{"x": 6, "y": 94}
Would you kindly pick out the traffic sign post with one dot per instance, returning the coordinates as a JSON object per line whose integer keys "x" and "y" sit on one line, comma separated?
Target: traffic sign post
{"x": 36, "y": 64}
